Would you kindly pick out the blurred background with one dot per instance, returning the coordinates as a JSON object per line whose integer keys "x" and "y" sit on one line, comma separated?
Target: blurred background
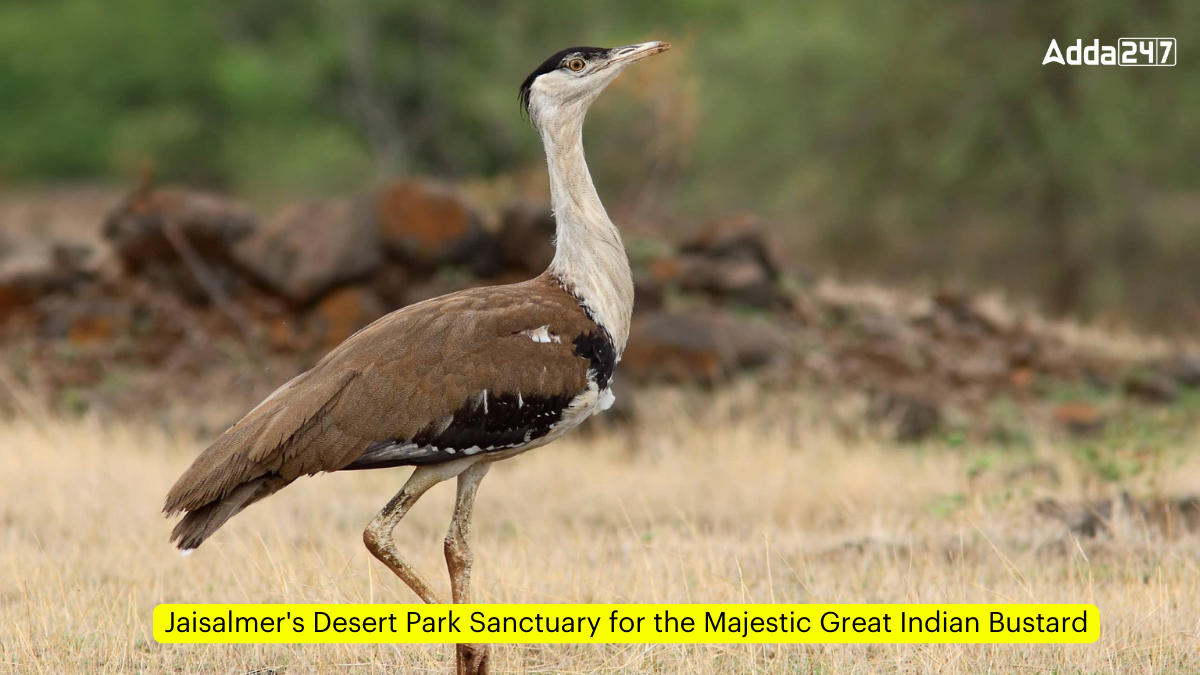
{"x": 913, "y": 141}
{"x": 244, "y": 180}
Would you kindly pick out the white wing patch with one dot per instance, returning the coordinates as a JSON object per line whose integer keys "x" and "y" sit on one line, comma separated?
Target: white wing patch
{"x": 541, "y": 334}
{"x": 607, "y": 397}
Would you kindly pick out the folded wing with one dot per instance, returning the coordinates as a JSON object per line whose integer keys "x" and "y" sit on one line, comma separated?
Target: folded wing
{"x": 472, "y": 372}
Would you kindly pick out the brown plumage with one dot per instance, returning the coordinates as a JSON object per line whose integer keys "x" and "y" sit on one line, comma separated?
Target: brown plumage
{"x": 412, "y": 368}
{"x": 452, "y": 384}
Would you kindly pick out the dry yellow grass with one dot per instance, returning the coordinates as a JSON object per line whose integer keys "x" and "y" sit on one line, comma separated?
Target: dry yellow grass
{"x": 773, "y": 508}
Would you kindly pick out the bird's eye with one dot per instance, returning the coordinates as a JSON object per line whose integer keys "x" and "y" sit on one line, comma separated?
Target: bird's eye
{"x": 576, "y": 64}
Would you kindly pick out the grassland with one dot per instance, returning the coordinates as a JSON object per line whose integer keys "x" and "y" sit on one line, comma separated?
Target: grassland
{"x": 720, "y": 500}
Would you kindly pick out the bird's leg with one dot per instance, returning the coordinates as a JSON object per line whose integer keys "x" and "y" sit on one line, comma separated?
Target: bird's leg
{"x": 458, "y": 546}
{"x": 472, "y": 659}
{"x": 378, "y": 535}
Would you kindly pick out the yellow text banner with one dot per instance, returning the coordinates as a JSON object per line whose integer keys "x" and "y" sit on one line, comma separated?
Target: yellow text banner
{"x": 642, "y": 624}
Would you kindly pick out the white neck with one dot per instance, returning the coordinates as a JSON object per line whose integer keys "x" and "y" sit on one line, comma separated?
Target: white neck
{"x": 589, "y": 258}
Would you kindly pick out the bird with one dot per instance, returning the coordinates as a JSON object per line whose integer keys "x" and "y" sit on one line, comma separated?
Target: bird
{"x": 456, "y": 383}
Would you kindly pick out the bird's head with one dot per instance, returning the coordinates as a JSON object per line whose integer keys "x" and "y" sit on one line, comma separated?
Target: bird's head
{"x": 567, "y": 82}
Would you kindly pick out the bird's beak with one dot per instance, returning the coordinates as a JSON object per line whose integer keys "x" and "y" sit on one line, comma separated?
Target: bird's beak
{"x": 631, "y": 53}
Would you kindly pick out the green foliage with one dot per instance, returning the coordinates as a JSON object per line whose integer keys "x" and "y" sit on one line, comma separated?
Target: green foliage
{"x": 916, "y": 139}
{"x": 922, "y": 138}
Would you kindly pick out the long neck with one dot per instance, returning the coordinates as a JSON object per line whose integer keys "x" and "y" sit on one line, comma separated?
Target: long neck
{"x": 589, "y": 258}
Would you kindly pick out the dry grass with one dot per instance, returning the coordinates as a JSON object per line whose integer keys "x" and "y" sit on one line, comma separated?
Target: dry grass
{"x": 774, "y": 508}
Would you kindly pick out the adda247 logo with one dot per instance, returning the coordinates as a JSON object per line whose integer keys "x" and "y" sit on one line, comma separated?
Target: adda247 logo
{"x": 1148, "y": 51}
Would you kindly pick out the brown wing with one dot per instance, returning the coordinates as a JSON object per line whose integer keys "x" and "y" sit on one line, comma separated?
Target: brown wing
{"x": 411, "y": 376}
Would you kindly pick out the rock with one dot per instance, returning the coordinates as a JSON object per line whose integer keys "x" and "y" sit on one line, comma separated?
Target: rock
{"x": 284, "y": 335}
{"x": 85, "y": 322}
{"x": 526, "y": 238}
{"x": 21, "y": 282}
{"x": 736, "y": 280}
{"x": 391, "y": 283}
{"x": 1184, "y": 369}
{"x": 731, "y": 260}
{"x": 1023, "y": 351}
{"x": 1022, "y": 378}
{"x": 667, "y": 270}
{"x": 704, "y": 347}
{"x": 958, "y": 310}
{"x": 647, "y": 294}
{"x": 339, "y": 314}
{"x": 306, "y": 249}
{"x": 739, "y": 237}
{"x": 210, "y": 223}
{"x": 1079, "y": 418}
{"x": 1151, "y": 386}
{"x": 428, "y": 224}
{"x": 26, "y": 276}
{"x": 671, "y": 348}
{"x": 207, "y": 225}
{"x": 986, "y": 366}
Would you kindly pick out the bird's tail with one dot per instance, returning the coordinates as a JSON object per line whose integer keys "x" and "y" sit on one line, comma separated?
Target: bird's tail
{"x": 282, "y": 438}
{"x": 199, "y": 524}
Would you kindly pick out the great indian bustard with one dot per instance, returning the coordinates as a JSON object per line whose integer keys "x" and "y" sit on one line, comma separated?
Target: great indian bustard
{"x": 455, "y": 383}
